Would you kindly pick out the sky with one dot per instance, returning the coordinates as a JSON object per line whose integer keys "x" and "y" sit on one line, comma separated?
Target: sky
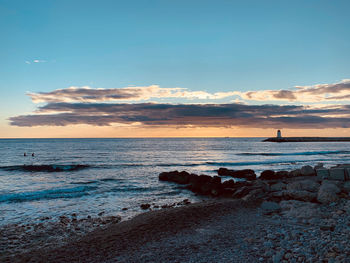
{"x": 191, "y": 68}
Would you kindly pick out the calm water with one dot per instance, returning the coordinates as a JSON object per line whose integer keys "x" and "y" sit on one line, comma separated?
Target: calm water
{"x": 88, "y": 176}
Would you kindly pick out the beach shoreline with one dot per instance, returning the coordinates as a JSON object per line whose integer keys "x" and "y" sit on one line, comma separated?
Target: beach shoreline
{"x": 295, "y": 218}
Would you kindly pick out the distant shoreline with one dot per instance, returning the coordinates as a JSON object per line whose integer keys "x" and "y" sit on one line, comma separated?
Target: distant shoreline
{"x": 308, "y": 139}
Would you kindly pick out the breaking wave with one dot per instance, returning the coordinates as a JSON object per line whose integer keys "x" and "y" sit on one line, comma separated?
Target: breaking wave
{"x": 45, "y": 167}
{"x": 296, "y": 153}
{"x": 47, "y": 194}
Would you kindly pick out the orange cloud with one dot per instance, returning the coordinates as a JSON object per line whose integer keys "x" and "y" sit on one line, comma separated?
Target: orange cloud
{"x": 315, "y": 93}
{"x": 87, "y": 94}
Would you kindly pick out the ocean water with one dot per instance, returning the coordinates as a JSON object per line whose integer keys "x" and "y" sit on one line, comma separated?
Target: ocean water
{"x": 89, "y": 176}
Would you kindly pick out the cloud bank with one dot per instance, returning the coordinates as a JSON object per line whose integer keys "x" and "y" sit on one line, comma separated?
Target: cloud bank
{"x": 105, "y": 107}
{"x": 87, "y": 94}
{"x": 317, "y": 93}
{"x": 182, "y": 115}
{"x": 339, "y": 91}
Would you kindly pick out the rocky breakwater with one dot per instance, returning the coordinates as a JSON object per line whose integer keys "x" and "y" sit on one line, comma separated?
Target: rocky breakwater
{"x": 310, "y": 184}
{"x": 308, "y": 211}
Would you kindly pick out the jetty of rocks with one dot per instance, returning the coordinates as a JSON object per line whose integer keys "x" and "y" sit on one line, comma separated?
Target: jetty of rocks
{"x": 307, "y": 139}
{"x": 311, "y": 184}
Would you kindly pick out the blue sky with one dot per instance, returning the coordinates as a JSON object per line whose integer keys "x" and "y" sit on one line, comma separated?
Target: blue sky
{"x": 212, "y": 46}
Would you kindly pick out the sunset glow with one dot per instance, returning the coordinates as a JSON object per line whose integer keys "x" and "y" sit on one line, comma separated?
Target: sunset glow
{"x": 243, "y": 73}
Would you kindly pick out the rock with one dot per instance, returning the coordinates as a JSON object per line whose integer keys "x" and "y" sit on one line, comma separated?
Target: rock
{"x": 282, "y": 174}
{"x": 270, "y": 207}
{"x": 295, "y": 173}
{"x": 268, "y": 175}
{"x": 254, "y": 195}
{"x": 318, "y": 166}
{"x": 347, "y": 174}
{"x": 228, "y": 192}
{"x": 322, "y": 174}
{"x": 206, "y": 185}
{"x": 186, "y": 202}
{"x": 175, "y": 176}
{"x": 216, "y": 180}
{"x": 307, "y": 170}
{"x": 228, "y": 184}
{"x": 300, "y": 209}
{"x": 300, "y": 195}
{"x": 245, "y": 174}
{"x": 241, "y": 192}
{"x": 64, "y": 220}
{"x": 346, "y": 187}
{"x": 337, "y": 174}
{"x": 262, "y": 185}
{"x": 277, "y": 187}
{"x": 145, "y": 206}
{"x": 306, "y": 185}
{"x": 328, "y": 192}
{"x": 223, "y": 171}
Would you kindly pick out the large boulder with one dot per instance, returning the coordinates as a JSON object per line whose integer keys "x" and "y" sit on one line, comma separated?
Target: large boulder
{"x": 295, "y": 173}
{"x": 241, "y": 192}
{"x": 228, "y": 184}
{"x": 175, "y": 176}
{"x": 346, "y": 187}
{"x": 322, "y": 173}
{"x": 278, "y": 187}
{"x": 245, "y": 174}
{"x": 347, "y": 174}
{"x": 224, "y": 172}
{"x": 198, "y": 183}
{"x": 300, "y": 195}
{"x": 306, "y": 185}
{"x": 337, "y": 174}
{"x": 268, "y": 175}
{"x": 282, "y": 174}
{"x": 307, "y": 170}
{"x": 205, "y": 185}
{"x": 318, "y": 166}
{"x": 261, "y": 185}
{"x": 328, "y": 192}
{"x": 254, "y": 195}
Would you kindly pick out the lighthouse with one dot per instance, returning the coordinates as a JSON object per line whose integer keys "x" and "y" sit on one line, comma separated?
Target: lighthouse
{"x": 279, "y": 135}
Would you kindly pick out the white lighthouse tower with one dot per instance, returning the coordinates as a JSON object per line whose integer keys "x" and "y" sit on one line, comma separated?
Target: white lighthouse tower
{"x": 279, "y": 135}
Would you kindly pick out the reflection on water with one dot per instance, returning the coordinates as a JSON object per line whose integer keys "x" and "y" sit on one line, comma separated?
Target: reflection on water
{"x": 87, "y": 176}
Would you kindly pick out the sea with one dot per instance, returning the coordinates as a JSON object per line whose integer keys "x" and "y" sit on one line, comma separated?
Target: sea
{"x": 103, "y": 176}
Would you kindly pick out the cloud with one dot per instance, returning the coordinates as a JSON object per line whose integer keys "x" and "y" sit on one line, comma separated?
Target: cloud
{"x": 315, "y": 93}
{"x": 339, "y": 91}
{"x": 39, "y": 61}
{"x": 35, "y": 61}
{"x": 87, "y": 94}
{"x": 184, "y": 115}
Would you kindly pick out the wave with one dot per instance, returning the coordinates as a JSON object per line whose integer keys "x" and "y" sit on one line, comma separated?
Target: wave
{"x": 255, "y": 163}
{"x": 133, "y": 188}
{"x": 47, "y": 194}
{"x": 296, "y": 153}
{"x": 45, "y": 167}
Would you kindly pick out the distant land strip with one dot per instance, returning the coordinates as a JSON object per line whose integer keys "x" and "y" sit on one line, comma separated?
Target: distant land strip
{"x": 308, "y": 139}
